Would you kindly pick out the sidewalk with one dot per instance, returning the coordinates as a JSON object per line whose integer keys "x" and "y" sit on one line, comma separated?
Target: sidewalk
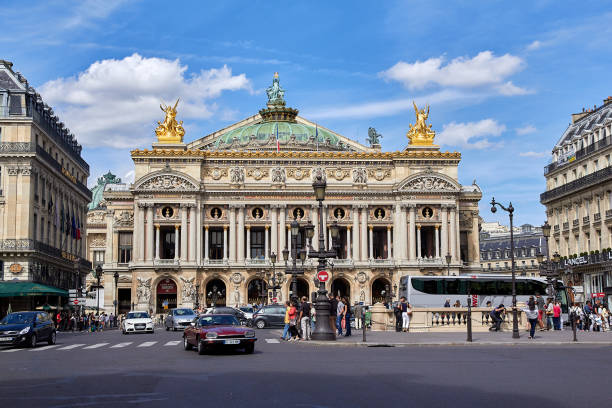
{"x": 394, "y": 339}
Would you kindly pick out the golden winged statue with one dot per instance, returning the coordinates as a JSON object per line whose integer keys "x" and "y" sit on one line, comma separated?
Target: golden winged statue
{"x": 421, "y": 134}
{"x": 170, "y": 131}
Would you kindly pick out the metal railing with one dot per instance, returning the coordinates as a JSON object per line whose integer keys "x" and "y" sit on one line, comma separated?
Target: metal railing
{"x": 597, "y": 217}
{"x": 577, "y": 185}
{"x": 585, "y": 151}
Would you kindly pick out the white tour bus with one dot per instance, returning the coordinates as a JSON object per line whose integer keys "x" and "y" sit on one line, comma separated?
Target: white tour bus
{"x": 432, "y": 291}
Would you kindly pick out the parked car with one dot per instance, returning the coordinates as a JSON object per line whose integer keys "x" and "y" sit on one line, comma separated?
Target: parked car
{"x": 27, "y": 328}
{"x": 269, "y": 316}
{"x": 179, "y": 319}
{"x": 248, "y": 311}
{"x": 218, "y": 331}
{"x": 136, "y": 322}
{"x": 238, "y": 314}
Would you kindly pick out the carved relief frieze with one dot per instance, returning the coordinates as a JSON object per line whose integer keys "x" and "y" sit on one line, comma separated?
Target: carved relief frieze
{"x": 339, "y": 173}
{"x": 236, "y": 175}
{"x": 360, "y": 175}
{"x": 96, "y": 240}
{"x": 298, "y": 173}
{"x": 257, "y": 173}
{"x": 379, "y": 173}
{"x": 167, "y": 182}
{"x": 216, "y": 173}
{"x": 124, "y": 219}
{"x": 95, "y": 217}
{"x": 278, "y": 175}
{"x": 319, "y": 173}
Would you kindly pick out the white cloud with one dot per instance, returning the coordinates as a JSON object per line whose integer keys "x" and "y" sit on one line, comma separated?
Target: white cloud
{"x": 116, "y": 102}
{"x": 534, "y": 154}
{"x": 485, "y": 69}
{"x": 129, "y": 177}
{"x": 534, "y": 45}
{"x": 525, "y": 130}
{"x": 87, "y": 10}
{"x": 471, "y": 134}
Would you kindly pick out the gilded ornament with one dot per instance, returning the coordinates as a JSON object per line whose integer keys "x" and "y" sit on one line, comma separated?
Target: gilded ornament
{"x": 379, "y": 173}
{"x": 170, "y": 131}
{"x": 257, "y": 173}
{"x": 339, "y": 174}
{"x": 421, "y": 134}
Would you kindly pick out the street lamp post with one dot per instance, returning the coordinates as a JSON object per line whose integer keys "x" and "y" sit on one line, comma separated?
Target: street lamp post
{"x": 322, "y": 330}
{"x": 116, "y": 277}
{"x": 273, "y": 260}
{"x": 510, "y": 211}
{"x": 98, "y": 274}
{"x": 449, "y": 258}
{"x": 197, "y": 296}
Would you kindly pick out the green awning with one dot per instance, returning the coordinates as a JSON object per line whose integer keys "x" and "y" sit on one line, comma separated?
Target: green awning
{"x": 18, "y": 288}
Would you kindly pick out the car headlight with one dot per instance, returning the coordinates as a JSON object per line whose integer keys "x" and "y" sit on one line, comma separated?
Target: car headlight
{"x": 129, "y": 323}
{"x": 25, "y": 330}
{"x": 249, "y": 333}
{"x": 211, "y": 335}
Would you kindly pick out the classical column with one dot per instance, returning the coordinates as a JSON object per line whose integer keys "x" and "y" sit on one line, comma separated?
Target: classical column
{"x": 457, "y": 235}
{"x": 329, "y": 239}
{"x": 412, "y": 227}
{"x": 136, "y": 236}
{"x": 364, "y": 234}
{"x": 403, "y": 233}
{"x": 192, "y": 233}
{"x": 371, "y": 246}
{"x": 418, "y": 241}
{"x": 206, "y": 244}
{"x": 149, "y": 252}
{"x": 267, "y": 246}
{"x": 225, "y": 246}
{"x": 248, "y": 242}
{"x": 108, "y": 255}
{"x": 232, "y": 233}
{"x": 273, "y": 228}
{"x": 355, "y": 228}
{"x": 325, "y": 225}
{"x": 289, "y": 240}
{"x": 183, "y": 243}
{"x": 444, "y": 246}
{"x": 453, "y": 240}
{"x": 142, "y": 236}
{"x": 281, "y": 230}
{"x": 348, "y": 242}
{"x": 198, "y": 231}
{"x": 315, "y": 221}
{"x": 389, "y": 252}
{"x": 241, "y": 234}
{"x": 475, "y": 238}
{"x": 396, "y": 223}
{"x": 437, "y": 242}
{"x": 176, "y": 241}
{"x": 156, "y": 242}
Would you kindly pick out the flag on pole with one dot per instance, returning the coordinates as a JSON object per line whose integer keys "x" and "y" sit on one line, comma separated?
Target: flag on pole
{"x": 277, "y": 142}
{"x": 78, "y": 230}
{"x": 73, "y": 226}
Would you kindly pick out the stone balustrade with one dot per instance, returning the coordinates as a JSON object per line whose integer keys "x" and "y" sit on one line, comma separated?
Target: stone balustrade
{"x": 442, "y": 319}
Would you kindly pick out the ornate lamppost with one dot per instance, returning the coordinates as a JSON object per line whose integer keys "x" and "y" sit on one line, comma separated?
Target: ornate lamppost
{"x": 98, "y": 275}
{"x": 510, "y": 211}
{"x": 116, "y": 302}
{"x": 322, "y": 330}
{"x": 197, "y": 296}
{"x": 449, "y": 258}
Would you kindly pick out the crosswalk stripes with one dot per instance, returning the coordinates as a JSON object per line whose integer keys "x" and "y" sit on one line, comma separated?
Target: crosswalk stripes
{"x": 172, "y": 343}
{"x": 95, "y": 346}
{"x": 120, "y": 345}
{"x": 147, "y": 344}
{"x": 44, "y": 348}
{"x": 70, "y": 347}
{"x": 273, "y": 341}
{"x": 11, "y": 350}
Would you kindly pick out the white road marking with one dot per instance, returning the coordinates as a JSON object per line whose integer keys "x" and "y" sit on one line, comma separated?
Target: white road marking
{"x": 11, "y": 350}
{"x": 70, "y": 347}
{"x": 274, "y": 341}
{"x": 44, "y": 348}
{"x": 172, "y": 343}
{"x": 147, "y": 344}
{"x": 95, "y": 346}
{"x": 121, "y": 345}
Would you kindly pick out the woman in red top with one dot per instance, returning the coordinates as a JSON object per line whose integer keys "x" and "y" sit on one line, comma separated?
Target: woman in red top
{"x": 557, "y": 315}
{"x": 293, "y": 332}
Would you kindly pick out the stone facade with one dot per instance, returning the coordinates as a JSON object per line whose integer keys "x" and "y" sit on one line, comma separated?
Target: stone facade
{"x": 43, "y": 192}
{"x": 202, "y": 220}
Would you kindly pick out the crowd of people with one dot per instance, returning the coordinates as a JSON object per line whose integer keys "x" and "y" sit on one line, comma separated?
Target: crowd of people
{"x": 69, "y": 321}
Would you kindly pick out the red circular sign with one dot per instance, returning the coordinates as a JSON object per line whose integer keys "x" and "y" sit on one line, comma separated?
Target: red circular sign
{"x": 322, "y": 276}
{"x": 274, "y": 300}
{"x": 76, "y": 301}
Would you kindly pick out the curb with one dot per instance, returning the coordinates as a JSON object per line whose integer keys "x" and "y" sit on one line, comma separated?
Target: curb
{"x": 462, "y": 343}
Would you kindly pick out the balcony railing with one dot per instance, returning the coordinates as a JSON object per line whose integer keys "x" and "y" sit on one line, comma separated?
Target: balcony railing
{"x": 608, "y": 214}
{"x": 574, "y": 186}
{"x": 556, "y": 228}
{"x": 256, "y": 262}
{"x": 381, "y": 262}
{"x": 565, "y": 226}
{"x": 592, "y": 148}
{"x": 166, "y": 263}
{"x": 575, "y": 223}
{"x": 596, "y": 217}
{"x": 14, "y": 245}
{"x": 585, "y": 220}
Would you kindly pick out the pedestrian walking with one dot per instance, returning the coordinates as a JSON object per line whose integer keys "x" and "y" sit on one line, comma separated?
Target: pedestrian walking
{"x": 397, "y": 312}
{"x": 497, "y": 316}
{"x": 588, "y": 310}
{"x": 404, "y": 306}
{"x": 549, "y": 314}
{"x": 347, "y": 317}
{"x": 358, "y": 315}
{"x": 305, "y": 318}
{"x": 286, "y": 328}
{"x": 531, "y": 312}
{"x": 339, "y": 315}
{"x": 539, "y": 300}
{"x": 557, "y": 315}
{"x": 293, "y": 316}
{"x": 603, "y": 312}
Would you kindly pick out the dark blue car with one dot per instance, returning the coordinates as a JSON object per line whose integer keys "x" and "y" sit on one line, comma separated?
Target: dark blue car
{"x": 27, "y": 328}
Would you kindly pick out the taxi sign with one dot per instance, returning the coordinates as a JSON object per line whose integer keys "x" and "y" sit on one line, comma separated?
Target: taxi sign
{"x": 322, "y": 276}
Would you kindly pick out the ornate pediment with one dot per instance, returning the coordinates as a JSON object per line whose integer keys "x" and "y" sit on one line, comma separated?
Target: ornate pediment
{"x": 166, "y": 180}
{"x": 429, "y": 181}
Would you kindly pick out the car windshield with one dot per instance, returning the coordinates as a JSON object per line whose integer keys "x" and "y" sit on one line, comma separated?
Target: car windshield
{"x": 216, "y": 320}
{"x": 247, "y": 309}
{"x": 18, "y": 318}
{"x": 183, "y": 312}
{"x": 137, "y": 315}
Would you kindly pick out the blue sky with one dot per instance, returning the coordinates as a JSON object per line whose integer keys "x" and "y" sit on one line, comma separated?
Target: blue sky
{"x": 502, "y": 82}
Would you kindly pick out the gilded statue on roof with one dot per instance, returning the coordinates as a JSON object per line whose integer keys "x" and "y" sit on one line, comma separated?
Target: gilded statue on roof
{"x": 421, "y": 134}
{"x": 170, "y": 131}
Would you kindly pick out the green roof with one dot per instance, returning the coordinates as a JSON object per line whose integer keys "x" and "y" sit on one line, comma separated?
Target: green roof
{"x": 23, "y": 288}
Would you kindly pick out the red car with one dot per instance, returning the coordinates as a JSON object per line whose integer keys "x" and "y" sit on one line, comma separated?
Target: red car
{"x": 222, "y": 330}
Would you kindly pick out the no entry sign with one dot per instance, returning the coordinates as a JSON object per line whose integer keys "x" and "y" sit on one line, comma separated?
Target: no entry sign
{"x": 76, "y": 301}
{"x": 322, "y": 276}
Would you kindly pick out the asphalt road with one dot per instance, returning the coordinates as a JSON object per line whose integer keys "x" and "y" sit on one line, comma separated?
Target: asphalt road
{"x": 101, "y": 370}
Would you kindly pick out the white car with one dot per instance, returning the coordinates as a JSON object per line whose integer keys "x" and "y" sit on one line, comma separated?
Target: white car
{"x": 137, "y": 322}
